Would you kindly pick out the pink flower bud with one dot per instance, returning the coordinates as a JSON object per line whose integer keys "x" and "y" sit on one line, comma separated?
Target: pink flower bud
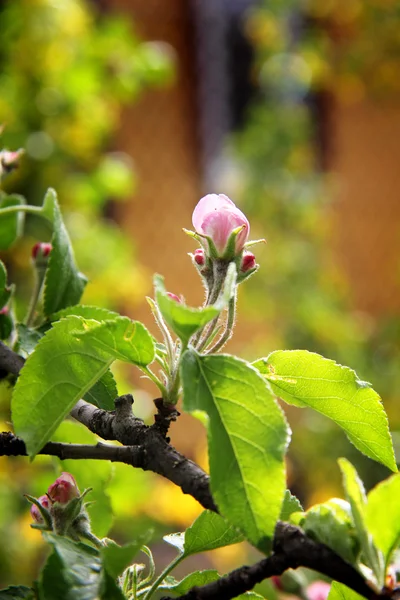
{"x": 217, "y": 216}
{"x": 248, "y": 262}
{"x": 318, "y": 590}
{"x": 5, "y": 310}
{"x": 9, "y": 160}
{"x": 199, "y": 257}
{"x": 41, "y": 250}
{"x": 63, "y": 489}
{"x": 35, "y": 512}
{"x": 174, "y": 297}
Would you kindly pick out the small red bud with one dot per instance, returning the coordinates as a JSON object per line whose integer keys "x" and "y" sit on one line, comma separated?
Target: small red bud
{"x": 248, "y": 262}
{"x": 5, "y": 310}
{"x": 277, "y": 582}
{"x": 174, "y": 297}
{"x": 199, "y": 256}
{"x": 35, "y": 512}
{"x": 41, "y": 248}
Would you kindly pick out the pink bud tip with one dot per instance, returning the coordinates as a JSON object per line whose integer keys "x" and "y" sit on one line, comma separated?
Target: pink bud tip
{"x": 277, "y": 582}
{"x": 63, "y": 489}
{"x": 199, "y": 257}
{"x": 41, "y": 248}
{"x": 35, "y": 512}
{"x": 318, "y": 590}
{"x": 5, "y": 310}
{"x": 216, "y": 216}
{"x": 248, "y": 262}
{"x": 174, "y": 297}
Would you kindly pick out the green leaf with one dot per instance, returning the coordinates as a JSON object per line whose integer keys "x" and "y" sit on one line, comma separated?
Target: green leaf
{"x": 27, "y": 340}
{"x": 331, "y": 524}
{"x": 290, "y": 505}
{"x": 197, "y": 578}
{"x": 6, "y": 326}
{"x": 71, "y": 357}
{"x": 339, "y": 591}
{"x": 355, "y": 495}
{"x": 103, "y": 393}
{"x": 117, "y": 558}
{"x": 305, "y": 379}
{"x": 383, "y": 515}
{"x": 79, "y": 567}
{"x": 208, "y": 532}
{"x": 248, "y": 436}
{"x": 64, "y": 284}
{"x": 87, "y": 312}
{"x": 5, "y": 290}
{"x": 184, "y": 320}
{"x": 11, "y": 225}
{"x": 17, "y": 592}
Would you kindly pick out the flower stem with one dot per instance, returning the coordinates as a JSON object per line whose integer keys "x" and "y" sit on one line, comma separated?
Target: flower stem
{"x": 163, "y": 575}
{"x": 228, "y": 328}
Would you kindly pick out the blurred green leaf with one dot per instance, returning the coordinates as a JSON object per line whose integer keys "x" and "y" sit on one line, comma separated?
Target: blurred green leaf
{"x": 11, "y": 225}
{"x": 247, "y": 435}
{"x": 17, "y": 592}
{"x": 76, "y": 353}
{"x": 331, "y": 523}
{"x": 184, "y": 585}
{"x": 339, "y": 591}
{"x": 64, "y": 284}
{"x": 117, "y": 558}
{"x": 306, "y": 379}
{"x": 5, "y": 291}
{"x": 355, "y": 495}
{"x": 6, "y": 326}
{"x": 383, "y": 515}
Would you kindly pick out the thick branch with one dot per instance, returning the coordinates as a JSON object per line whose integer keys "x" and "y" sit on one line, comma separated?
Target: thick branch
{"x": 147, "y": 448}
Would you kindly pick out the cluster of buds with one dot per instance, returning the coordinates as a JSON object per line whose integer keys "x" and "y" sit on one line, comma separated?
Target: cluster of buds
{"x": 62, "y": 510}
{"x": 223, "y": 231}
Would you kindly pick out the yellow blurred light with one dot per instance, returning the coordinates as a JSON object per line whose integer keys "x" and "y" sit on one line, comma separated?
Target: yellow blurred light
{"x": 263, "y": 29}
{"x": 228, "y": 557}
{"x": 320, "y": 10}
{"x": 348, "y": 11}
{"x": 168, "y": 504}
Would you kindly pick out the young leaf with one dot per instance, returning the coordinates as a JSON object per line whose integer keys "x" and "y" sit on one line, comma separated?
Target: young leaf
{"x": 27, "y": 339}
{"x": 305, "y": 379}
{"x": 355, "y": 494}
{"x": 290, "y": 505}
{"x": 11, "y": 225}
{"x": 339, "y": 591}
{"x": 208, "y": 532}
{"x": 64, "y": 284}
{"x": 117, "y": 558}
{"x": 182, "y": 319}
{"x": 383, "y": 515}
{"x": 331, "y": 524}
{"x": 5, "y": 290}
{"x": 103, "y": 393}
{"x": 72, "y": 356}
{"x": 197, "y": 578}
{"x": 87, "y": 312}
{"x": 248, "y": 436}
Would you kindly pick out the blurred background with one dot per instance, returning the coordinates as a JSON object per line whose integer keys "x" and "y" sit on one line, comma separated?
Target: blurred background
{"x": 134, "y": 109}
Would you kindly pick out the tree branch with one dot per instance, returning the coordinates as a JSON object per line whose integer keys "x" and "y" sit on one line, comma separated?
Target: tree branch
{"x": 147, "y": 447}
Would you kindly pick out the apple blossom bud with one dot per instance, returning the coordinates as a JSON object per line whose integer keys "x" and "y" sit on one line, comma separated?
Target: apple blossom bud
{"x": 5, "y": 310}
{"x": 35, "y": 512}
{"x": 199, "y": 257}
{"x": 248, "y": 262}
{"x": 217, "y": 218}
{"x": 318, "y": 590}
{"x": 63, "y": 489}
{"x": 41, "y": 250}
{"x": 9, "y": 161}
{"x": 174, "y": 297}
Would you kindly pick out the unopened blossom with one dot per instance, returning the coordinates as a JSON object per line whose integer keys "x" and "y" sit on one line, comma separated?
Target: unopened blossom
{"x": 41, "y": 249}
{"x": 318, "y": 590}
{"x": 199, "y": 257}
{"x": 248, "y": 262}
{"x": 216, "y": 216}
{"x": 174, "y": 297}
{"x": 63, "y": 489}
{"x": 35, "y": 512}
